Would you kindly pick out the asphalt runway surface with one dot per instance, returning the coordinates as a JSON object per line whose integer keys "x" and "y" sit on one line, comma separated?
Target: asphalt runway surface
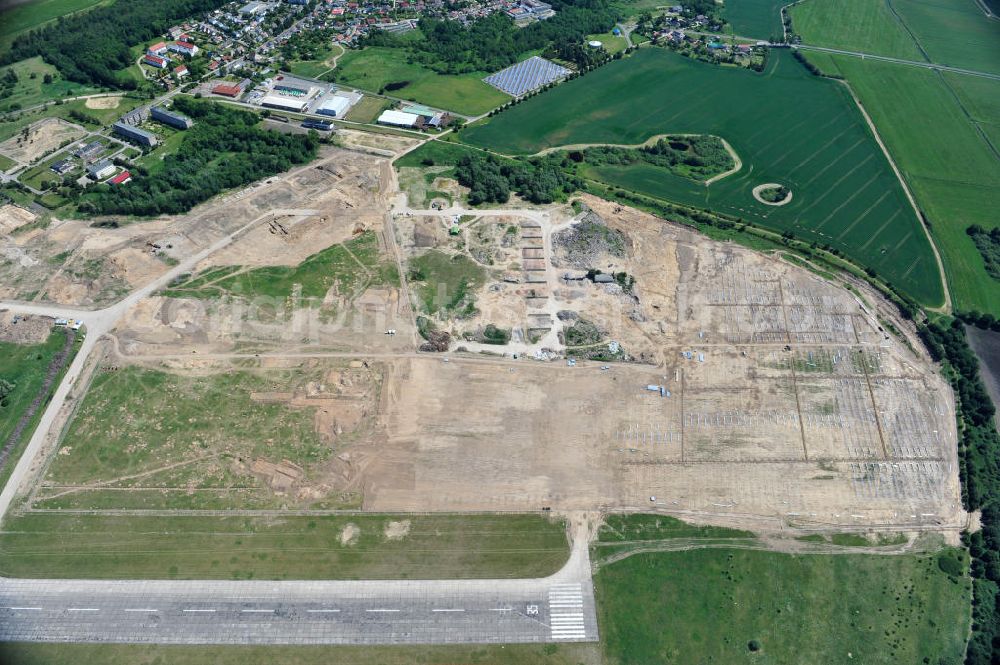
{"x": 199, "y": 612}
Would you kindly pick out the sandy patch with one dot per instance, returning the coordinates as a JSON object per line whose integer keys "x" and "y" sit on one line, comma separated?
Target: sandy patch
{"x": 39, "y": 139}
{"x": 13, "y": 218}
{"x": 103, "y": 102}
{"x": 397, "y": 530}
{"x": 350, "y": 534}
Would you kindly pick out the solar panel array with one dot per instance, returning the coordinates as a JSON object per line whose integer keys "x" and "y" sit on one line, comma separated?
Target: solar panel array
{"x": 526, "y": 76}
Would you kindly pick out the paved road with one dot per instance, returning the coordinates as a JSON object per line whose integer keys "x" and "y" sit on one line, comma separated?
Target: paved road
{"x": 559, "y": 608}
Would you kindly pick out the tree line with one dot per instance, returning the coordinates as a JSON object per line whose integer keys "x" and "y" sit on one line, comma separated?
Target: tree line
{"x": 224, "y": 149}
{"x": 979, "y": 469}
{"x": 93, "y": 47}
{"x": 491, "y": 180}
{"x": 697, "y": 157}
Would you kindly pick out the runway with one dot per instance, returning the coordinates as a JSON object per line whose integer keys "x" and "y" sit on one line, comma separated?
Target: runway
{"x": 558, "y": 608}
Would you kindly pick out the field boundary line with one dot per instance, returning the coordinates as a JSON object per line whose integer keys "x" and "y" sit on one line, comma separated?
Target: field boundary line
{"x": 947, "y": 306}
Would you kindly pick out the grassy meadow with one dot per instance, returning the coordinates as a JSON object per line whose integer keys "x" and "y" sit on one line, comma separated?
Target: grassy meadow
{"x": 736, "y": 606}
{"x": 30, "y": 91}
{"x": 351, "y": 266}
{"x": 25, "y": 366}
{"x": 953, "y": 171}
{"x": 152, "y": 439}
{"x": 844, "y": 192}
{"x": 867, "y": 26}
{"x": 154, "y": 654}
{"x": 357, "y": 546}
{"x": 374, "y": 68}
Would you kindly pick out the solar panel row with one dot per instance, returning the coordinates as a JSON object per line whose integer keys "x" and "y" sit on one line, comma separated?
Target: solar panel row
{"x": 526, "y": 76}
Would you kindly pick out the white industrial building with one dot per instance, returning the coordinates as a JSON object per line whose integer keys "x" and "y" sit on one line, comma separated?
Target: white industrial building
{"x": 335, "y": 105}
{"x": 284, "y": 103}
{"x": 398, "y": 119}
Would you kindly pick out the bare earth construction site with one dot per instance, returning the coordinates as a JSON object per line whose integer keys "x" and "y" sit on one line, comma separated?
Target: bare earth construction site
{"x": 640, "y": 367}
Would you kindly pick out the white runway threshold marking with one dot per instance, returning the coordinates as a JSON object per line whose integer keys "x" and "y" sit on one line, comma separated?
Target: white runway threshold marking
{"x": 566, "y": 612}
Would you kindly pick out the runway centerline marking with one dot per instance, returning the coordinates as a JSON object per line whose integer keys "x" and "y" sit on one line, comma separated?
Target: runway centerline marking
{"x": 381, "y": 610}
{"x": 198, "y": 610}
{"x": 258, "y": 611}
{"x": 448, "y": 610}
{"x": 320, "y": 611}
{"x": 141, "y": 609}
{"x": 25, "y": 609}
{"x": 83, "y": 609}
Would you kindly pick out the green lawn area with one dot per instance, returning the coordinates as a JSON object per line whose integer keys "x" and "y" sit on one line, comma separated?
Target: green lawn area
{"x": 868, "y": 26}
{"x": 28, "y": 15}
{"x": 844, "y": 192}
{"x": 29, "y": 91}
{"x": 375, "y": 67}
{"x": 368, "y": 109}
{"x": 713, "y": 605}
{"x": 352, "y": 266}
{"x": 6, "y": 162}
{"x": 356, "y": 546}
{"x": 760, "y": 19}
{"x": 25, "y": 366}
{"x": 953, "y": 172}
{"x": 154, "y": 654}
{"x": 612, "y": 43}
{"x": 445, "y": 282}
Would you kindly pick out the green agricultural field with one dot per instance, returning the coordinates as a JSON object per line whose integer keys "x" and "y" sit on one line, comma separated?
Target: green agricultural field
{"x": 356, "y": 546}
{"x": 868, "y": 26}
{"x": 954, "y": 173}
{"x": 844, "y": 192}
{"x": 630, "y": 8}
{"x": 953, "y": 32}
{"x": 30, "y": 91}
{"x": 24, "y": 367}
{"x": 352, "y": 266}
{"x": 760, "y": 19}
{"x": 24, "y": 16}
{"x": 374, "y": 68}
{"x": 156, "y": 654}
{"x": 736, "y": 606}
